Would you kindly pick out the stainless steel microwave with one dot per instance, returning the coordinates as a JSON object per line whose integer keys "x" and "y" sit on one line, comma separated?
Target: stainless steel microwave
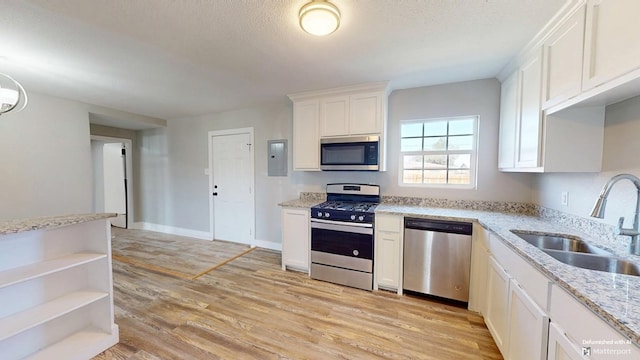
{"x": 350, "y": 153}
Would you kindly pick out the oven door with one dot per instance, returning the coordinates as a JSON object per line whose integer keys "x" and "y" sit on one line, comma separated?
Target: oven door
{"x": 343, "y": 245}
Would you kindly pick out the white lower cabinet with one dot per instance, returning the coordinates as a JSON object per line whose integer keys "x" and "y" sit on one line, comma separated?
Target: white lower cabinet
{"x": 586, "y": 331}
{"x": 497, "y": 316}
{"x": 516, "y": 300}
{"x": 295, "y": 239}
{"x": 388, "y": 252}
{"x": 560, "y": 346}
{"x": 479, "y": 264}
{"x": 528, "y": 326}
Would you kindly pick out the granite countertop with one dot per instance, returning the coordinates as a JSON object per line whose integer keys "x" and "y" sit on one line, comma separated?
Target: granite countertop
{"x": 301, "y": 203}
{"x": 50, "y": 222}
{"x": 614, "y": 297}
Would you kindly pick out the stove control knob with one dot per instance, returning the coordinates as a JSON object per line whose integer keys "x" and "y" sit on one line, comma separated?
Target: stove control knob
{"x": 327, "y": 214}
{"x": 361, "y": 218}
{"x": 353, "y": 217}
{"x": 319, "y": 213}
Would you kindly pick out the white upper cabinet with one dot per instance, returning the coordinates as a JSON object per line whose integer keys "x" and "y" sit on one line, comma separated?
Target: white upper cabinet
{"x": 611, "y": 40}
{"x": 346, "y": 111}
{"x": 529, "y": 127}
{"x": 509, "y": 115}
{"x": 366, "y": 113}
{"x": 356, "y": 114}
{"x": 562, "y": 61}
{"x": 335, "y": 116}
{"x": 306, "y": 137}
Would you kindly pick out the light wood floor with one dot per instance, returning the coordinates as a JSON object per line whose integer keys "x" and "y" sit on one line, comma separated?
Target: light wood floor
{"x": 250, "y": 309}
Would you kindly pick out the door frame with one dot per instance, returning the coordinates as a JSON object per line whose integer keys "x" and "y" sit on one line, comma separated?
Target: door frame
{"x": 128, "y": 145}
{"x": 252, "y": 220}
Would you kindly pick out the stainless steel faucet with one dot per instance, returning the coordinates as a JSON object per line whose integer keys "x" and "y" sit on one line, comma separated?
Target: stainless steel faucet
{"x": 601, "y": 203}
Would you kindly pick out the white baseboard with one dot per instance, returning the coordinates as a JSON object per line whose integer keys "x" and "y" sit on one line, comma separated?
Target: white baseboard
{"x": 203, "y": 235}
{"x": 268, "y": 245}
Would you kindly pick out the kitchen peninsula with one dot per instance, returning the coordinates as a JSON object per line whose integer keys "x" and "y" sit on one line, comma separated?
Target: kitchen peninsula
{"x": 56, "y": 287}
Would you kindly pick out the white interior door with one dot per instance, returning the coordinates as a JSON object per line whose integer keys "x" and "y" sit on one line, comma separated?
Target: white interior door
{"x": 99, "y": 176}
{"x": 114, "y": 183}
{"x": 232, "y": 182}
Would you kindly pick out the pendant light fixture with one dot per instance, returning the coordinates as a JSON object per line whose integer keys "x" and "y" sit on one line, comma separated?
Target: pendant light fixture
{"x": 319, "y": 17}
{"x": 12, "y": 94}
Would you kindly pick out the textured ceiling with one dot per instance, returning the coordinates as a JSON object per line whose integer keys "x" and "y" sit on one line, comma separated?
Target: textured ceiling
{"x": 180, "y": 58}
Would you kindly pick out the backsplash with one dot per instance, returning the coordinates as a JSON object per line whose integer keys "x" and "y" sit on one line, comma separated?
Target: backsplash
{"x": 481, "y": 205}
{"x": 311, "y": 196}
{"x": 604, "y": 234}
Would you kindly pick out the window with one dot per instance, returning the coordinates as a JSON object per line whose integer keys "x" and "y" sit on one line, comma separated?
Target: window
{"x": 439, "y": 152}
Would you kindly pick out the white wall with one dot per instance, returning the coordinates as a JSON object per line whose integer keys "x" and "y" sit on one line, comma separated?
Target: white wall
{"x": 621, "y": 155}
{"x": 175, "y": 188}
{"x": 45, "y": 159}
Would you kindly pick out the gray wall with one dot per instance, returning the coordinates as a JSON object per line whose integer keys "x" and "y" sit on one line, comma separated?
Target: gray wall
{"x": 621, "y": 155}
{"x": 45, "y": 159}
{"x": 174, "y": 188}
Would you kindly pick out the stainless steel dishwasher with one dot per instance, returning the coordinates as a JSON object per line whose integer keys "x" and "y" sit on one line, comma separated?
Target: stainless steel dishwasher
{"x": 437, "y": 258}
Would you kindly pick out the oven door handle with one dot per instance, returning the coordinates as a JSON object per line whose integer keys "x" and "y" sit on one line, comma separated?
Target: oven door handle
{"x": 366, "y": 229}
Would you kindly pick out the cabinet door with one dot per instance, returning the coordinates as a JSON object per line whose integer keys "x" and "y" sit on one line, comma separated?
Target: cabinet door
{"x": 560, "y": 347}
{"x": 479, "y": 264}
{"x": 388, "y": 259}
{"x": 509, "y": 112}
{"x": 295, "y": 239}
{"x": 335, "y": 113}
{"x": 366, "y": 114}
{"x": 528, "y": 326}
{"x": 562, "y": 65}
{"x": 611, "y": 40}
{"x": 497, "y": 317}
{"x": 306, "y": 143}
{"x": 530, "y": 124}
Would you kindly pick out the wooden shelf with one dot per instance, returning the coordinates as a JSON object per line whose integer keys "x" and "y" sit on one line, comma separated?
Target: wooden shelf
{"x": 32, "y": 271}
{"x": 74, "y": 346}
{"x": 25, "y": 320}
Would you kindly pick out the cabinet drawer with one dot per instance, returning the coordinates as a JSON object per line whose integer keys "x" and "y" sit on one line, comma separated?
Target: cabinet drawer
{"x": 536, "y": 284}
{"x": 390, "y": 223}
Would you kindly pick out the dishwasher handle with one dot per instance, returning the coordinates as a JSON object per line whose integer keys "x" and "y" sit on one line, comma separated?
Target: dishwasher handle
{"x": 444, "y": 226}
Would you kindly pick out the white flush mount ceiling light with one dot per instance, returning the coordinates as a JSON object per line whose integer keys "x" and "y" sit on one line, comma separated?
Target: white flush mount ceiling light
{"x": 12, "y": 95}
{"x": 319, "y": 18}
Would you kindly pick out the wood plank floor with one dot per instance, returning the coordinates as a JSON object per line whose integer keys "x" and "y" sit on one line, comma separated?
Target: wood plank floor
{"x": 250, "y": 309}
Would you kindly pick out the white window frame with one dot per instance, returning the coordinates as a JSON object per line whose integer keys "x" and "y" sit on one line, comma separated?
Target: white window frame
{"x": 473, "y": 167}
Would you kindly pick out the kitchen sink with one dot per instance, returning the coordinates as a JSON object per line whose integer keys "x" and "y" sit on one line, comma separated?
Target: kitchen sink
{"x": 559, "y": 242}
{"x": 596, "y": 262}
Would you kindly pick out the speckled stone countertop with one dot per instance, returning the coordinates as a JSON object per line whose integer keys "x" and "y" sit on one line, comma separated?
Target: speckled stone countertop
{"x": 300, "y": 203}
{"x": 50, "y": 222}
{"x": 306, "y": 200}
{"x": 615, "y": 298}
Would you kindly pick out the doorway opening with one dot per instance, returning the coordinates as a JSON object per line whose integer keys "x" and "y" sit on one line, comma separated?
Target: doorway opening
{"x": 112, "y": 178}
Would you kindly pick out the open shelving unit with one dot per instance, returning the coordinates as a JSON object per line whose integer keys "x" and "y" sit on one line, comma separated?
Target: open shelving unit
{"x": 56, "y": 292}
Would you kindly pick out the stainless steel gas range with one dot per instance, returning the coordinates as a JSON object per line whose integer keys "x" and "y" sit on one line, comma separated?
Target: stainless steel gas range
{"x": 342, "y": 235}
